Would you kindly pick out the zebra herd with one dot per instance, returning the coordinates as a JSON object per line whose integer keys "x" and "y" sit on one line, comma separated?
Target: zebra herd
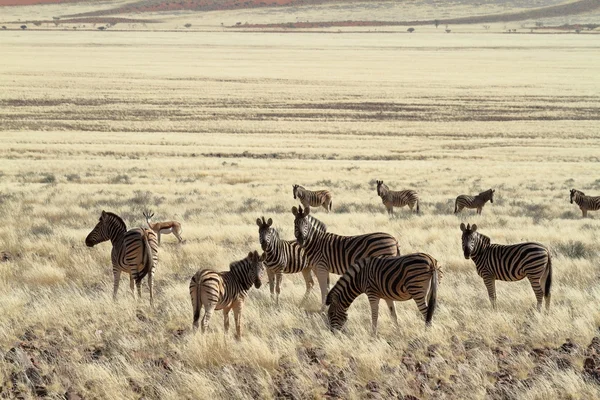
{"x": 370, "y": 263}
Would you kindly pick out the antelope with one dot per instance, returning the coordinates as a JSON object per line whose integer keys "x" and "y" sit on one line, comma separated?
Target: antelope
{"x": 166, "y": 227}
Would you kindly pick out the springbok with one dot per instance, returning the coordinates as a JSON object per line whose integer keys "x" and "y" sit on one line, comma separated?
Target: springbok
{"x": 166, "y": 227}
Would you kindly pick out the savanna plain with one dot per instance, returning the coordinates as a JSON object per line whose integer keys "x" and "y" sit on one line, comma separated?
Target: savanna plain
{"x": 213, "y": 128}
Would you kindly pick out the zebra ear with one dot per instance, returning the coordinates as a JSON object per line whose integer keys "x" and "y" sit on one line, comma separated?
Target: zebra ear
{"x": 463, "y": 227}
{"x": 263, "y": 256}
{"x": 270, "y": 222}
{"x": 258, "y": 222}
{"x": 473, "y": 228}
{"x": 306, "y": 211}
{"x": 295, "y": 211}
{"x": 493, "y": 190}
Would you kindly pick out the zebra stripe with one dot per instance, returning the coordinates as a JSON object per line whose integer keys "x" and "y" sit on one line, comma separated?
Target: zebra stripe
{"x": 329, "y": 252}
{"x": 225, "y": 290}
{"x": 400, "y": 198}
{"x": 585, "y": 203}
{"x": 509, "y": 263}
{"x": 134, "y": 252}
{"x": 465, "y": 201}
{"x": 413, "y": 276}
{"x": 316, "y": 198}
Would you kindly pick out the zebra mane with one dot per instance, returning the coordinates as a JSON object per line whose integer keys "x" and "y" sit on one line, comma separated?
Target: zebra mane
{"x": 486, "y": 193}
{"x": 117, "y": 218}
{"x": 317, "y": 224}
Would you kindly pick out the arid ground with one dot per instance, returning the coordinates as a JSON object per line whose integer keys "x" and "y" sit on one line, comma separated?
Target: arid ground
{"x": 213, "y": 128}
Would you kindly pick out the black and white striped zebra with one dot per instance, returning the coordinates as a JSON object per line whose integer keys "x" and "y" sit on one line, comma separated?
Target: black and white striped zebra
{"x": 399, "y": 198}
{"x": 134, "y": 252}
{"x": 282, "y": 257}
{"x": 316, "y": 198}
{"x": 465, "y": 201}
{"x": 333, "y": 253}
{"x": 585, "y": 203}
{"x": 509, "y": 263}
{"x": 412, "y": 276}
{"x": 225, "y": 290}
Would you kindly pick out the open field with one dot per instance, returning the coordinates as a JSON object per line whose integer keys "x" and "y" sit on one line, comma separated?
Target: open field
{"x": 212, "y": 129}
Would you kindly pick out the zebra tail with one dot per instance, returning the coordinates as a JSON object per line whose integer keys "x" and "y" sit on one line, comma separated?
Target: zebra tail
{"x": 147, "y": 258}
{"x": 455, "y": 205}
{"x": 418, "y": 209}
{"x": 548, "y": 278}
{"x": 431, "y": 302}
{"x": 196, "y": 304}
{"x": 330, "y": 205}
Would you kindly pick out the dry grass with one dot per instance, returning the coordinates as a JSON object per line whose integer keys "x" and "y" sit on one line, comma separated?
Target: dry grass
{"x": 215, "y": 131}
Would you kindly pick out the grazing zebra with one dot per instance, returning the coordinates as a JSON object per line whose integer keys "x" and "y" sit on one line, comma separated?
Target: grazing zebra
{"x": 310, "y": 198}
{"x": 282, "y": 257}
{"x": 225, "y": 290}
{"x": 134, "y": 252}
{"x": 465, "y": 201}
{"x": 329, "y": 252}
{"x": 413, "y": 276}
{"x": 165, "y": 228}
{"x": 585, "y": 203}
{"x": 509, "y": 263}
{"x": 399, "y": 199}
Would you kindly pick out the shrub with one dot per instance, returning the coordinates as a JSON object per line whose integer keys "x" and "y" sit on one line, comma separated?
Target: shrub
{"x": 48, "y": 178}
{"x": 121, "y": 179}
{"x": 575, "y": 249}
{"x": 23, "y": 27}
{"x": 73, "y": 178}
{"x": 41, "y": 230}
{"x": 188, "y": 25}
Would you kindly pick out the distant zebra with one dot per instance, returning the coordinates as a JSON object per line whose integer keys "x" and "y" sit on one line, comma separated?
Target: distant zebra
{"x": 465, "y": 201}
{"x": 585, "y": 203}
{"x": 316, "y": 198}
{"x": 225, "y": 290}
{"x": 134, "y": 252}
{"x": 283, "y": 257}
{"x": 397, "y": 198}
{"x": 329, "y": 252}
{"x": 413, "y": 276}
{"x": 509, "y": 263}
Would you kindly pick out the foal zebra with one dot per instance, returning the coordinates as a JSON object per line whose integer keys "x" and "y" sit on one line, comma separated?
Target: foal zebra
{"x": 509, "y": 263}
{"x": 397, "y": 198}
{"x": 282, "y": 257}
{"x": 465, "y": 201}
{"x": 585, "y": 203}
{"x": 225, "y": 290}
{"x": 413, "y": 276}
{"x": 329, "y": 252}
{"x": 310, "y": 198}
{"x": 134, "y": 252}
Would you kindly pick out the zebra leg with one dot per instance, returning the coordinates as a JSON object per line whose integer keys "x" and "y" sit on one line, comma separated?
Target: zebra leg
{"x": 490, "y": 284}
{"x": 237, "y": 315}
{"x": 392, "y": 308}
{"x": 323, "y": 278}
{"x": 117, "y": 278}
{"x": 209, "y": 308}
{"x": 132, "y": 277}
{"x": 158, "y": 237}
{"x": 584, "y": 213}
{"x": 374, "y": 301}
{"x": 421, "y": 301}
{"x": 537, "y": 289}
{"x": 271, "y": 276}
{"x": 306, "y": 274}
{"x": 278, "y": 278}
{"x": 226, "y": 319}
{"x": 479, "y": 210}
{"x": 151, "y": 287}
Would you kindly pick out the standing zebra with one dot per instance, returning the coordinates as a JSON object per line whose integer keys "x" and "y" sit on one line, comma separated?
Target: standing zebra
{"x": 134, "y": 252}
{"x": 282, "y": 257}
{"x": 225, "y": 290}
{"x": 413, "y": 276}
{"x": 397, "y": 198}
{"x": 316, "y": 198}
{"x": 509, "y": 263}
{"x": 329, "y": 252}
{"x": 585, "y": 203}
{"x": 465, "y": 201}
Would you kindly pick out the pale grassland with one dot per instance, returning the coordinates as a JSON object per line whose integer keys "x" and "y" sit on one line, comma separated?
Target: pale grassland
{"x": 213, "y": 130}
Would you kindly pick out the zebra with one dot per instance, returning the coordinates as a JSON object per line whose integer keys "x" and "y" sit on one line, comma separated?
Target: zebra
{"x": 134, "y": 252}
{"x": 465, "y": 201}
{"x": 225, "y": 290}
{"x": 310, "y": 198}
{"x": 413, "y": 276}
{"x": 585, "y": 203}
{"x": 509, "y": 263}
{"x": 397, "y": 198}
{"x": 329, "y": 252}
{"x": 282, "y": 257}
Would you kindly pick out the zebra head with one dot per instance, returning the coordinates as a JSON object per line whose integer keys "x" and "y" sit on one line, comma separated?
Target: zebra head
{"x": 469, "y": 239}
{"x": 266, "y": 234}
{"x": 382, "y": 188}
{"x": 108, "y": 227}
{"x": 295, "y": 191}
{"x": 336, "y": 314}
{"x": 257, "y": 267}
{"x": 575, "y": 193}
{"x": 302, "y": 225}
{"x": 492, "y": 191}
